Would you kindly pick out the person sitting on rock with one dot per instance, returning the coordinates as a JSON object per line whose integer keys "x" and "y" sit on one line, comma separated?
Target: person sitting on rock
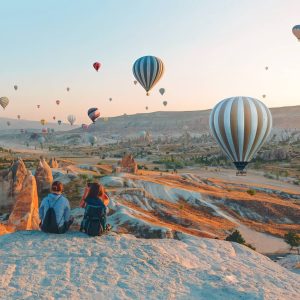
{"x": 55, "y": 211}
{"x": 96, "y": 202}
{"x": 85, "y": 194}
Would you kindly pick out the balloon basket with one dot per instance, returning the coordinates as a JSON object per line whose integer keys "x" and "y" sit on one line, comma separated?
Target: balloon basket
{"x": 241, "y": 173}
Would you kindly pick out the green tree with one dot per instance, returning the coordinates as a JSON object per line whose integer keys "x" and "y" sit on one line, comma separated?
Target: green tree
{"x": 293, "y": 239}
{"x": 236, "y": 237}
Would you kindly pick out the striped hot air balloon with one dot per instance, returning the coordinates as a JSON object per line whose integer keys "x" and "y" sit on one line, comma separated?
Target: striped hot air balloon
{"x": 71, "y": 119}
{"x": 93, "y": 114}
{"x": 240, "y": 125}
{"x": 148, "y": 70}
{"x": 4, "y": 102}
{"x": 296, "y": 31}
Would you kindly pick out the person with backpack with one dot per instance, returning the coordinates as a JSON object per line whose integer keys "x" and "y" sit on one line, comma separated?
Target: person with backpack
{"x": 85, "y": 194}
{"x": 94, "y": 219}
{"x": 55, "y": 211}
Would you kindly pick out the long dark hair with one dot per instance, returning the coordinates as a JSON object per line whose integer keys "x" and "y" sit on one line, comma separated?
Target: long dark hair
{"x": 57, "y": 187}
{"x": 96, "y": 190}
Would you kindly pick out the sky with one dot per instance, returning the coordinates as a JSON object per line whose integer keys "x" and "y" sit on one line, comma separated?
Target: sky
{"x": 211, "y": 49}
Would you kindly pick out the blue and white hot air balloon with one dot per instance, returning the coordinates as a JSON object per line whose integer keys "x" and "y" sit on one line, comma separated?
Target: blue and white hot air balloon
{"x": 240, "y": 126}
{"x": 148, "y": 70}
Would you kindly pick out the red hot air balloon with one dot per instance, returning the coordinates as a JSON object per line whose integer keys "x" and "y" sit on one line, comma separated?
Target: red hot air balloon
{"x": 96, "y": 65}
{"x": 54, "y": 118}
{"x": 93, "y": 114}
{"x": 57, "y": 102}
{"x": 84, "y": 126}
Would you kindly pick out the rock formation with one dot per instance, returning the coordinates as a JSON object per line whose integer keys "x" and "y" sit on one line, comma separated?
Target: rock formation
{"x": 127, "y": 164}
{"x": 11, "y": 184}
{"x": 43, "y": 176}
{"x": 53, "y": 163}
{"x": 19, "y": 199}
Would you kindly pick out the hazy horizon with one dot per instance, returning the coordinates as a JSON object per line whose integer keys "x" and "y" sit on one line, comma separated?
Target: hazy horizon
{"x": 211, "y": 51}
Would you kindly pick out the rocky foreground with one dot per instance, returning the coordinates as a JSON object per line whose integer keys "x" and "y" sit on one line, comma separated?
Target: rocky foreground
{"x": 73, "y": 266}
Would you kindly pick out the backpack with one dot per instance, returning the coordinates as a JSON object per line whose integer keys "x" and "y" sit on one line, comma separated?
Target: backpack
{"x": 94, "y": 220}
{"x": 49, "y": 223}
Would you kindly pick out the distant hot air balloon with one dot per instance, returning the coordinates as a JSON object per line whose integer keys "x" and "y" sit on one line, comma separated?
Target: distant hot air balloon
{"x": 96, "y": 65}
{"x": 264, "y": 96}
{"x": 53, "y": 117}
{"x": 4, "y": 102}
{"x": 162, "y": 91}
{"x": 135, "y": 82}
{"x": 84, "y": 126}
{"x": 19, "y": 117}
{"x": 68, "y": 89}
{"x": 38, "y": 106}
{"x": 43, "y": 122}
{"x": 15, "y": 87}
{"x": 8, "y": 123}
{"x": 93, "y": 114}
{"x": 165, "y": 103}
{"x": 148, "y": 70}
{"x": 296, "y": 31}
{"x": 92, "y": 140}
{"x": 267, "y": 68}
{"x": 59, "y": 122}
{"x": 146, "y": 107}
{"x": 110, "y": 99}
{"x": 71, "y": 119}
{"x": 240, "y": 125}
{"x": 57, "y": 102}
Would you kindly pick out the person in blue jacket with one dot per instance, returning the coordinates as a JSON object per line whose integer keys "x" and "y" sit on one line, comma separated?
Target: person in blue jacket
{"x": 61, "y": 208}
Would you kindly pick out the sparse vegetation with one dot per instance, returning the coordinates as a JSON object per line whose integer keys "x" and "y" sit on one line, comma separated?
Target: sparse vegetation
{"x": 293, "y": 239}
{"x": 237, "y": 238}
{"x": 251, "y": 192}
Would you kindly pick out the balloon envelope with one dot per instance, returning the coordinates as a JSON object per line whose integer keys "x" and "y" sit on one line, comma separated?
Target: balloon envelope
{"x": 43, "y": 121}
{"x": 57, "y": 102}
{"x": 71, "y": 119}
{"x": 4, "y": 102}
{"x": 162, "y": 91}
{"x": 148, "y": 70}
{"x": 296, "y": 31}
{"x": 240, "y": 126}
{"x": 15, "y": 87}
{"x": 59, "y": 122}
{"x": 93, "y": 113}
{"x": 165, "y": 103}
{"x": 92, "y": 140}
{"x": 96, "y": 65}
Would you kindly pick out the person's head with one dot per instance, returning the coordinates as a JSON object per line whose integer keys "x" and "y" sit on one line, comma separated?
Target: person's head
{"x": 88, "y": 184}
{"x": 96, "y": 190}
{"x": 57, "y": 187}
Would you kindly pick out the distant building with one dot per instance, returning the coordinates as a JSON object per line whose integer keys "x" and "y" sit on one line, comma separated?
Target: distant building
{"x": 126, "y": 165}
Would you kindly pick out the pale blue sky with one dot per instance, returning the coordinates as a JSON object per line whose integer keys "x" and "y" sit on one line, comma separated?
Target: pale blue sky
{"x": 211, "y": 50}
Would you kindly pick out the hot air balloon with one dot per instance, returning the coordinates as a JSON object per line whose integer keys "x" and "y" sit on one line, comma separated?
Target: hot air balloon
{"x": 240, "y": 125}
{"x": 4, "y": 102}
{"x": 84, "y": 126}
{"x": 93, "y": 114}
{"x": 96, "y": 65}
{"x": 296, "y": 31}
{"x": 68, "y": 89}
{"x": 92, "y": 140}
{"x": 57, "y": 102}
{"x": 59, "y": 122}
{"x": 71, "y": 119}
{"x": 148, "y": 70}
{"x": 264, "y": 96}
{"x": 38, "y": 106}
{"x": 19, "y": 117}
{"x": 165, "y": 103}
{"x": 43, "y": 122}
{"x": 162, "y": 91}
{"x": 8, "y": 123}
{"x": 110, "y": 99}
{"x": 267, "y": 68}
{"x": 146, "y": 107}
{"x": 135, "y": 82}
{"x": 53, "y": 117}
{"x": 15, "y": 87}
